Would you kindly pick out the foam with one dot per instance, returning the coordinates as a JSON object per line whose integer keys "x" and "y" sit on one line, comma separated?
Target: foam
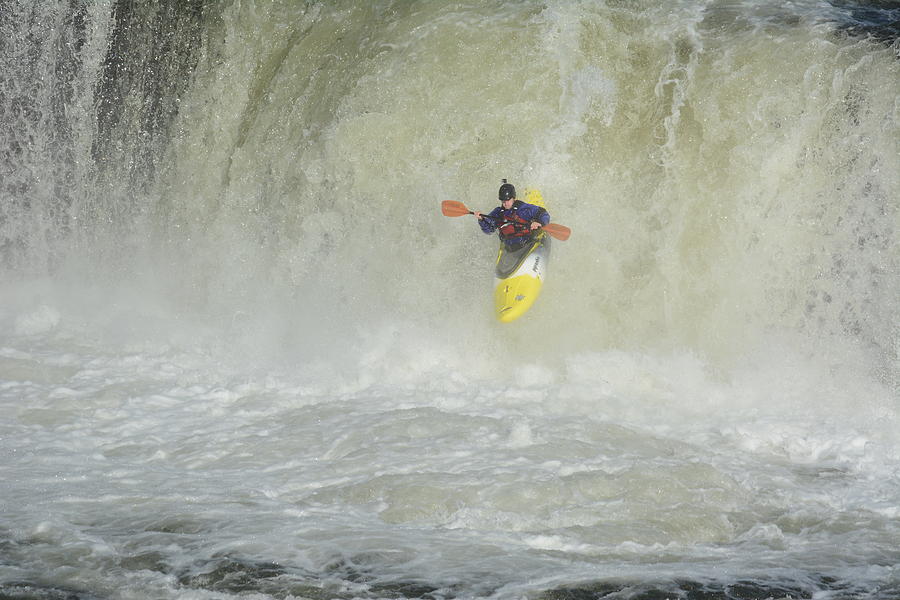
{"x": 41, "y": 320}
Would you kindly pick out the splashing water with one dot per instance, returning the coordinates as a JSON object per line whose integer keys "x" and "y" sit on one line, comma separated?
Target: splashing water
{"x": 242, "y": 352}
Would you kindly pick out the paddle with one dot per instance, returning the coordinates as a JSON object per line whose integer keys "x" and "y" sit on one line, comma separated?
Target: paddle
{"x": 452, "y": 208}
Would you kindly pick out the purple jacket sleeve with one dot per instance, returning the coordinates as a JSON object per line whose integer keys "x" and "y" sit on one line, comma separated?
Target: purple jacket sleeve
{"x": 531, "y": 212}
{"x": 489, "y": 222}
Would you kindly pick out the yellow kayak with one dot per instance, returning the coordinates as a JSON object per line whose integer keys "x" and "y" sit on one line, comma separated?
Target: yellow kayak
{"x": 520, "y": 274}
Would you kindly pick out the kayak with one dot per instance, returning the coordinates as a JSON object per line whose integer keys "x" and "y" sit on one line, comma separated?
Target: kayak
{"x": 519, "y": 277}
{"x": 520, "y": 274}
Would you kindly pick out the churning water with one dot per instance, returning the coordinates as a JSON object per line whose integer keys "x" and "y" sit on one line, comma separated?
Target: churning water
{"x": 242, "y": 353}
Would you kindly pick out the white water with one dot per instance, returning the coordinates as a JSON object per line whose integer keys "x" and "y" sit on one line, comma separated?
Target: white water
{"x": 268, "y": 365}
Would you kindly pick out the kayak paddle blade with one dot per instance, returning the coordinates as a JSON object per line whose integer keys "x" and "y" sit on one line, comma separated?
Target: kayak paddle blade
{"x": 452, "y": 208}
{"x": 560, "y": 232}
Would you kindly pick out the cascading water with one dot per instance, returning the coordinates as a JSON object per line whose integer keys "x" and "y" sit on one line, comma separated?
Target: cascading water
{"x": 242, "y": 351}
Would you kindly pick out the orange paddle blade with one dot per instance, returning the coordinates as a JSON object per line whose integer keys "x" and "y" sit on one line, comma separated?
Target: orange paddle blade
{"x": 560, "y": 232}
{"x": 452, "y": 208}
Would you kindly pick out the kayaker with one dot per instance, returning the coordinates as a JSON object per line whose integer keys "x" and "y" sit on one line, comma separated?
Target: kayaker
{"x": 513, "y": 219}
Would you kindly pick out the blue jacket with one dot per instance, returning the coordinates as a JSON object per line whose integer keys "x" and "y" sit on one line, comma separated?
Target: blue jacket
{"x": 528, "y": 212}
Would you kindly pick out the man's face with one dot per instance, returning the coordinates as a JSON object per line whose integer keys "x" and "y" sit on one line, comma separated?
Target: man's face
{"x": 507, "y": 204}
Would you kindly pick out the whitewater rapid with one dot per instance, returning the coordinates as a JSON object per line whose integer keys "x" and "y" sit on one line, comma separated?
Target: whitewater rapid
{"x": 243, "y": 355}
{"x": 143, "y": 469}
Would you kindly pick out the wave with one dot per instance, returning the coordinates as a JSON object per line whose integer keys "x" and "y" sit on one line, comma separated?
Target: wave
{"x": 728, "y": 170}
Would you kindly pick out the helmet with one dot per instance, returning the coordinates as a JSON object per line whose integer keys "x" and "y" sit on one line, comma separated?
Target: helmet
{"x": 507, "y": 191}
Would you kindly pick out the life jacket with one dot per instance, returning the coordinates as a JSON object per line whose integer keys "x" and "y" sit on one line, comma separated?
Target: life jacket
{"x": 513, "y": 226}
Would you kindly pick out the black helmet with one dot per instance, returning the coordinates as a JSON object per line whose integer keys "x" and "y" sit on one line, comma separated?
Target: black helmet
{"x": 507, "y": 191}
